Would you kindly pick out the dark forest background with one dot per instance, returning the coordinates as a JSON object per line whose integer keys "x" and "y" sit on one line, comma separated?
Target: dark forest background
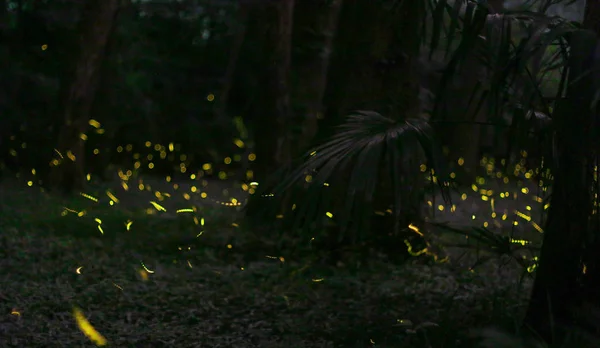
{"x": 350, "y": 137}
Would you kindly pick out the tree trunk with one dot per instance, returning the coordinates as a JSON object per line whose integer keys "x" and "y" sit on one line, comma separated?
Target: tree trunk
{"x": 591, "y": 257}
{"x": 77, "y": 93}
{"x": 591, "y": 17}
{"x": 3, "y": 18}
{"x": 374, "y": 68}
{"x": 106, "y": 108}
{"x": 313, "y": 67}
{"x": 557, "y": 291}
{"x": 568, "y": 277}
{"x": 465, "y": 138}
{"x": 236, "y": 47}
{"x": 272, "y": 133}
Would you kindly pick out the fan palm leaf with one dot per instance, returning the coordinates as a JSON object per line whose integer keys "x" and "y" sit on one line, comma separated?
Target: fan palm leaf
{"x": 504, "y": 45}
{"x": 343, "y": 176}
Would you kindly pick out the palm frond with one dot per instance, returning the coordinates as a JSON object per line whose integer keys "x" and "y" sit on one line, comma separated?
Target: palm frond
{"x": 344, "y": 176}
{"x": 483, "y": 239}
{"x": 505, "y": 47}
{"x": 491, "y": 36}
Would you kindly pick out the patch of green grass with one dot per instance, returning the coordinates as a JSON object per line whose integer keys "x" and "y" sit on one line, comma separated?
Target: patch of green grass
{"x": 159, "y": 284}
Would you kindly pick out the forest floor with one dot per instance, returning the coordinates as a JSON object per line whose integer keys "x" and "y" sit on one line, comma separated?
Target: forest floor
{"x": 156, "y": 272}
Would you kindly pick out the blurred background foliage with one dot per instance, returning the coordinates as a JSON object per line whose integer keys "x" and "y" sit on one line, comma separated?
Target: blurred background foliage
{"x": 169, "y": 62}
{"x": 165, "y": 62}
{"x": 442, "y": 95}
{"x": 215, "y": 88}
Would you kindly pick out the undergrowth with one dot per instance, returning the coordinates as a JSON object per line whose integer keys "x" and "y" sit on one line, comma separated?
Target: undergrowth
{"x": 200, "y": 279}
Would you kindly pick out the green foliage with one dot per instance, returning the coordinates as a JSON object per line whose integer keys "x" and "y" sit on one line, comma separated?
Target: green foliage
{"x": 512, "y": 41}
{"x": 369, "y": 166}
{"x": 521, "y": 57}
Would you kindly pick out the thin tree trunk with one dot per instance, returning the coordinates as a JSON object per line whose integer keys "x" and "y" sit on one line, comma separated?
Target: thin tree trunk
{"x": 313, "y": 73}
{"x": 78, "y": 92}
{"x": 223, "y": 97}
{"x": 282, "y": 95}
{"x": 105, "y": 98}
{"x": 3, "y": 17}
{"x": 591, "y": 17}
{"x": 465, "y": 138}
{"x": 272, "y": 135}
{"x": 4, "y": 52}
{"x": 374, "y": 68}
